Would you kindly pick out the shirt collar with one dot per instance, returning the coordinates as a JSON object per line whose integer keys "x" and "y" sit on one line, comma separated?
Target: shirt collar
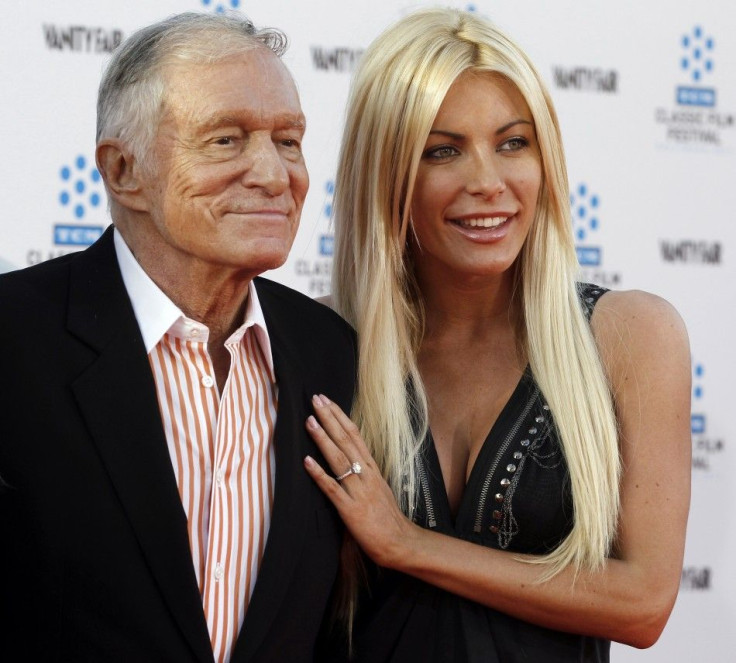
{"x": 157, "y": 314}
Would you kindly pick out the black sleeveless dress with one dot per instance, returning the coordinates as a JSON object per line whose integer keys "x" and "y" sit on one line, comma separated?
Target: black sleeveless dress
{"x": 518, "y": 499}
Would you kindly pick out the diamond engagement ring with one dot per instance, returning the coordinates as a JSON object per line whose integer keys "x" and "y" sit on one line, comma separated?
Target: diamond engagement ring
{"x": 355, "y": 468}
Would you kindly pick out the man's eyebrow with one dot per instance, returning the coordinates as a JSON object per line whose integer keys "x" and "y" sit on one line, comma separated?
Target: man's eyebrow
{"x": 287, "y": 120}
{"x": 297, "y": 123}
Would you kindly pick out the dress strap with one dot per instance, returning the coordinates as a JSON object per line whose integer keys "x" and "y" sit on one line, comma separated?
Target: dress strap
{"x": 589, "y": 294}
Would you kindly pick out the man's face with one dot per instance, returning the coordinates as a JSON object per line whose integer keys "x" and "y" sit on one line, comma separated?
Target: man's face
{"x": 228, "y": 179}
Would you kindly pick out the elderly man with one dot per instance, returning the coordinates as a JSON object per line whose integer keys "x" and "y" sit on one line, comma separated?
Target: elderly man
{"x": 153, "y": 504}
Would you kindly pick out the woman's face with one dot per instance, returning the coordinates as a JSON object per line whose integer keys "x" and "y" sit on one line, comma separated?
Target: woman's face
{"x": 478, "y": 180}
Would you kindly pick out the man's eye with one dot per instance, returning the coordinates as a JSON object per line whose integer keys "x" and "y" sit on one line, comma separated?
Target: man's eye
{"x": 225, "y": 140}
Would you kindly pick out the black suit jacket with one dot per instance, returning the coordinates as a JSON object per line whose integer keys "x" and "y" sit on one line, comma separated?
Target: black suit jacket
{"x": 95, "y": 562}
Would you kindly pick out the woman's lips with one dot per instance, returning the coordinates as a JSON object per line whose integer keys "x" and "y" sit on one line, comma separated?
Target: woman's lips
{"x": 483, "y": 228}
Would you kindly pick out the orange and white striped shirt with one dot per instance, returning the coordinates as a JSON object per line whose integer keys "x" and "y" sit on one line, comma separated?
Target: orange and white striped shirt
{"x": 221, "y": 445}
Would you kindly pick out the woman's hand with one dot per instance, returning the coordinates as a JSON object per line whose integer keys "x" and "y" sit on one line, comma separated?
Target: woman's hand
{"x": 362, "y": 497}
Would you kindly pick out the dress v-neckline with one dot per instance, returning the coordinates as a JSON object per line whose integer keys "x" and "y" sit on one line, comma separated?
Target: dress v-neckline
{"x": 468, "y": 500}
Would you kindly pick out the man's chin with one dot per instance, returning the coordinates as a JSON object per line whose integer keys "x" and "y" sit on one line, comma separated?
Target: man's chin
{"x": 267, "y": 260}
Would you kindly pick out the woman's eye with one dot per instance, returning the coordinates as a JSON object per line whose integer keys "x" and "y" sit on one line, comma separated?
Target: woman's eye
{"x": 440, "y": 152}
{"x": 513, "y": 144}
{"x": 225, "y": 140}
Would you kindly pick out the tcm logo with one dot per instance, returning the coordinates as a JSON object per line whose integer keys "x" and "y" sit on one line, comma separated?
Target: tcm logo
{"x": 65, "y": 235}
{"x": 707, "y": 446}
{"x": 694, "y": 119}
{"x": 221, "y": 7}
{"x": 81, "y": 193}
{"x": 697, "y": 421}
{"x": 696, "y": 62}
{"x": 584, "y": 207}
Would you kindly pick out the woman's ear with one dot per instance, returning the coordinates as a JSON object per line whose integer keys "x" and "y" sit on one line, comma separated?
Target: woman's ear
{"x": 122, "y": 174}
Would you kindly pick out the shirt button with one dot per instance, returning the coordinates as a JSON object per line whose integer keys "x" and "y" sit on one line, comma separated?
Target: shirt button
{"x": 219, "y": 572}
{"x": 194, "y": 332}
{"x": 207, "y": 381}
{"x": 219, "y": 475}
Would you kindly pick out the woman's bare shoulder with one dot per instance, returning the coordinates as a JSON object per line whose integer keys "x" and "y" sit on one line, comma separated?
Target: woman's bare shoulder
{"x": 639, "y": 334}
{"x": 641, "y": 316}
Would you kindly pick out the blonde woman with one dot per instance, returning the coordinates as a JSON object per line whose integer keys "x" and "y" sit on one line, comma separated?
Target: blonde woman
{"x": 518, "y": 475}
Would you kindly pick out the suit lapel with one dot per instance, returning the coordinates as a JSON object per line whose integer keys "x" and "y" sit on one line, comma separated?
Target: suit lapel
{"x": 293, "y": 491}
{"x": 117, "y": 397}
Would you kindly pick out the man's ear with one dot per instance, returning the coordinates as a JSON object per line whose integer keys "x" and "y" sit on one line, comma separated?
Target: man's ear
{"x": 122, "y": 174}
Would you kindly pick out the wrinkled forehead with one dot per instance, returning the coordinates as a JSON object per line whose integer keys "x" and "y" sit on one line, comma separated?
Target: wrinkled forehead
{"x": 253, "y": 82}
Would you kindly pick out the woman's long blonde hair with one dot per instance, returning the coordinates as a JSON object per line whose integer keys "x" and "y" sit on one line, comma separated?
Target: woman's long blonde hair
{"x": 398, "y": 88}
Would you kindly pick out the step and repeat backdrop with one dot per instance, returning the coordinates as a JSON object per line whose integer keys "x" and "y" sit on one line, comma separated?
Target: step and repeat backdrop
{"x": 646, "y": 93}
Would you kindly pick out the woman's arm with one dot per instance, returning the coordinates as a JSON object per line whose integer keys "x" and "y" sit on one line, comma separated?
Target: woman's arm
{"x": 644, "y": 347}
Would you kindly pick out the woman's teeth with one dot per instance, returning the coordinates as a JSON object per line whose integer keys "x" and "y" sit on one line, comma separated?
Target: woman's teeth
{"x": 488, "y": 222}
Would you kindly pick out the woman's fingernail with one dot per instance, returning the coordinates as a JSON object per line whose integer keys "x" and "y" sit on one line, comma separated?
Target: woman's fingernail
{"x": 309, "y": 461}
{"x": 326, "y": 400}
{"x": 312, "y": 422}
{"x": 317, "y": 400}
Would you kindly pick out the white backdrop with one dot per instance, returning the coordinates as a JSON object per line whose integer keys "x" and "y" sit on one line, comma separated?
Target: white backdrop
{"x": 646, "y": 93}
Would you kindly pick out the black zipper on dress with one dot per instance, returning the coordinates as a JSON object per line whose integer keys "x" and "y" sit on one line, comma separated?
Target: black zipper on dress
{"x": 502, "y": 449}
{"x": 424, "y": 483}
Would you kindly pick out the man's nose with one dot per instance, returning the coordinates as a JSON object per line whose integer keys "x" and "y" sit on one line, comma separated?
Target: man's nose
{"x": 266, "y": 168}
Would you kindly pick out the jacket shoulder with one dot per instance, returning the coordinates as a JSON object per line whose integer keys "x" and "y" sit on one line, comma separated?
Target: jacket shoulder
{"x": 286, "y": 304}
{"x": 46, "y": 281}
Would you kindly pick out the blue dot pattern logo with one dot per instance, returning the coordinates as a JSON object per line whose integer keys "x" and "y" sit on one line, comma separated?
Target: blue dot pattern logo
{"x": 221, "y": 7}
{"x": 81, "y": 187}
{"x": 698, "y": 372}
{"x": 330, "y": 191}
{"x": 584, "y": 212}
{"x": 584, "y": 207}
{"x": 697, "y": 59}
{"x": 697, "y": 421}
{"x": 327, "y": 242}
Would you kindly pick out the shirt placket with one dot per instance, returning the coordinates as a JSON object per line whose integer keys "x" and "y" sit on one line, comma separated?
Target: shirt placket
{"x": 221, "y": 549}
